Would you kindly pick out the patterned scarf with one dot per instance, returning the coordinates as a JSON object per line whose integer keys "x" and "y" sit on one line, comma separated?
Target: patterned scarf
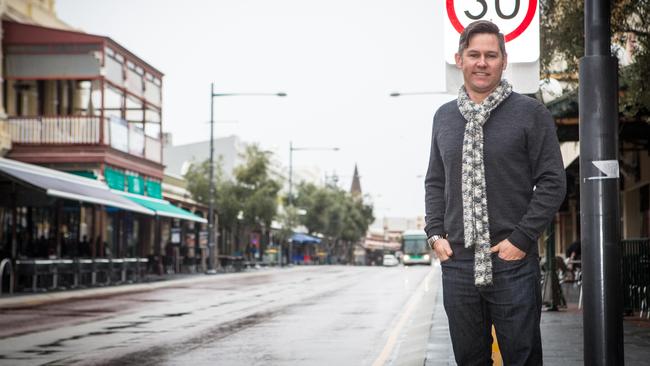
{"x": 475, "y": 210}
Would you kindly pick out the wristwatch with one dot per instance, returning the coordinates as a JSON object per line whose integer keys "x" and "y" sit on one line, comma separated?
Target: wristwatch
{"x": 433, "y": 238}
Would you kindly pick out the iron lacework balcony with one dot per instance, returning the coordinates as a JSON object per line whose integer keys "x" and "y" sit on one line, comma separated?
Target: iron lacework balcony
{"x": 85, "y": 130}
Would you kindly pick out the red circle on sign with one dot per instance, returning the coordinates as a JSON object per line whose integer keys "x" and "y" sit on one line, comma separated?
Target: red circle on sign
{"x": 530, "y": 13}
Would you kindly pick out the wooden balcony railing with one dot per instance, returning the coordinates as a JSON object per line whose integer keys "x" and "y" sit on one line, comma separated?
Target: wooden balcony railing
{"x": 81, "y": 130}
{"x": 54, "y": 130}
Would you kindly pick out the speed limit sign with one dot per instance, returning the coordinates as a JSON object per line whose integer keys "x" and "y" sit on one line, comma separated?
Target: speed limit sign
{"x": 518, "y": 20}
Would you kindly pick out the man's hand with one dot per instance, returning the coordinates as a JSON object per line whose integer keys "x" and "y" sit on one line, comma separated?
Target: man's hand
{"x": 508, "y": 251}
{"x": 442, "y": 249}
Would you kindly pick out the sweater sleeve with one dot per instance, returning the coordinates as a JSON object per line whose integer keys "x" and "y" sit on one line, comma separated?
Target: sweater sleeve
{"x": 434, "y": 188}
{"x": 549, "y": 178}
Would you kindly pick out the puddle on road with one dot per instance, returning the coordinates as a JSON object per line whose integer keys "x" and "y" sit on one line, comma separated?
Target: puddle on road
{"x": 158, "y": 354}
{"x": 127, "y": 325}
{"x": 163, "y": 316}
{"x": 44, "y": 352}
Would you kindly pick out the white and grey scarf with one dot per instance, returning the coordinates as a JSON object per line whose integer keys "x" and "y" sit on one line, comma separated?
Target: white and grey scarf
{"x": 475, "y": 209}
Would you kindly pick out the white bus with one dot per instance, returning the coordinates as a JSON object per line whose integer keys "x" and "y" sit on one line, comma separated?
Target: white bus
{"x": 415, "y": 249}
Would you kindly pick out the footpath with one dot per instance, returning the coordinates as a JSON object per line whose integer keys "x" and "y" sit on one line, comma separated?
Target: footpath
{"x": 28, "y": 299}
{"x": 562, "y": 336}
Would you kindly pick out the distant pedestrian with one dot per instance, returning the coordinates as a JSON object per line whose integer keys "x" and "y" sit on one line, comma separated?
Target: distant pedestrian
{"x": 494, "y": 182}
{"x": 574, "y": 251}
{"x": 573, "y": 260}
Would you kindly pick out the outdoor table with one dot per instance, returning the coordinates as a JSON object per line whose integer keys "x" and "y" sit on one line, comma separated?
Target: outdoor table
{"x": 140, "y": 267}
{"x": 84, "y": 266}
{"x": 36, "y": 268}
{"x": 130, "y": 266}
{"x": 61, "y": 267}
{"x": 102, "y": 265}
{"x": 117, "y": 267}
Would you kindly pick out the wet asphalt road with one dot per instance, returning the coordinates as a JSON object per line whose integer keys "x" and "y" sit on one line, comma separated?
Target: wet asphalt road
{"x": 322, "y": 315}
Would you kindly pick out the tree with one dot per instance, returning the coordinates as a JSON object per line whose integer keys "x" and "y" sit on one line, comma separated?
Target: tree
{"x": 249, "y": 201}
{"x": 258, "y": 191}
{"x": 226, "y": 197}
{"x": 562, "y": 45}
{"x": 334, "y": 213}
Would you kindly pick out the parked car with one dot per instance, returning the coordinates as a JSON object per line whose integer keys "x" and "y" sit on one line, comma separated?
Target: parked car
{"x": 390, "y": 260}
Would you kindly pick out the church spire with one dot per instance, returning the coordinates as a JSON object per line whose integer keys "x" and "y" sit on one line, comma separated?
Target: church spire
{"x": 355, "y": 189}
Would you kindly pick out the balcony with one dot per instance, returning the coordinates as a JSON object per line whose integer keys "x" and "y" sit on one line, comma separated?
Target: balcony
{"x": 84, "y": 130}
{"x": 5, "y": 138}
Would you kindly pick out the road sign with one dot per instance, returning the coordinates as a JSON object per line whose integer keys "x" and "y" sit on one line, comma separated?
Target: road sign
{"x": 518, "y": 20}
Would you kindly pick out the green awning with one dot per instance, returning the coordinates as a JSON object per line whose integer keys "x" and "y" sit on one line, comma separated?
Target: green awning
{"x": 162, "y": 207}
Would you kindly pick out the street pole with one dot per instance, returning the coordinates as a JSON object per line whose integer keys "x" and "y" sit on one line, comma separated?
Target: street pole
{"x": 599, "y": 190}
{"x": 211, "y": 241}
{"x": 290, "y": 173}
{"x": 291, "y": 211}
{"x": 291, "y": 150}
{"x": 211, "y": 244}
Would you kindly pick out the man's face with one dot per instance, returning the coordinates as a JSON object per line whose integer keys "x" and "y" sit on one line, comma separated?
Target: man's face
{"x": 482, "y": 63}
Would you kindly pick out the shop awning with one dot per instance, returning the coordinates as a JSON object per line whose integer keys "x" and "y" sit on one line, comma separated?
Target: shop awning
{"x": 162, "y": 207}
{"x": 69, "y": 186}
{"x": 299, "y": 238}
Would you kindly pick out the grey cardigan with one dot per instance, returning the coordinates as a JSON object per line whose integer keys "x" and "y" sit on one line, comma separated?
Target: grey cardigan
{"x": 524, "y": 174}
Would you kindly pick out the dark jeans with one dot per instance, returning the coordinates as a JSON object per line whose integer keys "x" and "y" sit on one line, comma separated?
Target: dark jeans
{"x": 513, "y": 304}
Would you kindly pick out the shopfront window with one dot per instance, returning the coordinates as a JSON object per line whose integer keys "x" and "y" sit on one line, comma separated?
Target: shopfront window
{"x": 70, "y": 231}
{"x": 43, "y": 232}
{"x": 111, "y": 244}
{"x": 132, "y": 235}
{"x": 5, "y": 232}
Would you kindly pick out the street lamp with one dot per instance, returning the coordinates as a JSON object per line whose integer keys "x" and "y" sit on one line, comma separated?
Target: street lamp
{"x": 211, "y": 244}
{"x": 291, "y": 150}
{"x": 398, "y": 94}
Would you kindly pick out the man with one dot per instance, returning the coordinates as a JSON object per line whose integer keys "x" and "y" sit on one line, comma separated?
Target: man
{"x": 494, "y": 182}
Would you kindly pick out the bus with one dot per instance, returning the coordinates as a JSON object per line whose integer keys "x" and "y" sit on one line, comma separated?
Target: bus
{"x": 415, "y": 249}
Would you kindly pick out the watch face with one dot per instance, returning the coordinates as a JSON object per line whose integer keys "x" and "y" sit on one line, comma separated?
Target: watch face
{"x": 432, "y": 240}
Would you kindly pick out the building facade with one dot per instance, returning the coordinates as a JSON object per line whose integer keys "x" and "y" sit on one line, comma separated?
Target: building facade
{"x": 82, "y": 177}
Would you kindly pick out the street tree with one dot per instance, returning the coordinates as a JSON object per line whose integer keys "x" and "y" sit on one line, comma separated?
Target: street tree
{"x": 258, "y": 189}
{"x": 247, "y": 202}
{"x": 342, "y": 219}
{"x": 562, "y": 45}
{"x": 226, "y": 196}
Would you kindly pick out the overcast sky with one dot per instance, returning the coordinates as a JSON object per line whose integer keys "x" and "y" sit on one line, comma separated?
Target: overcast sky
{"x": 337, "y": 59}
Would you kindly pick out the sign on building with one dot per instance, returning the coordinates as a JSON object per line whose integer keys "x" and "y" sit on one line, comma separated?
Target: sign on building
{"x": 518, "y": 20}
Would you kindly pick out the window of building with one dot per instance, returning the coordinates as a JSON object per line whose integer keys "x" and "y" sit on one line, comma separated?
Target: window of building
{"x": 152, "y": 125}
{"x": 113, "y": 102}
{"x": 134, "y": 110}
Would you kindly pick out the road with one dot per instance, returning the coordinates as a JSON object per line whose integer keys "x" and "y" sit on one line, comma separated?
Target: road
{"x": 316, "y": 315}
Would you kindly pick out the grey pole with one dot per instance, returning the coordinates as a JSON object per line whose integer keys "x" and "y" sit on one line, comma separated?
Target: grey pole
{"x": 290, "y": 253}
{"x": 599, "y": 190}
{"x": 211, "y": 244}
{"x": 211, "y": 241}
{"x": 291, "y": 150}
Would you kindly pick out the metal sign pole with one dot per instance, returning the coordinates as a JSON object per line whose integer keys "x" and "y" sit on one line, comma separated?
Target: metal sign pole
{"x": 599, "y": 190}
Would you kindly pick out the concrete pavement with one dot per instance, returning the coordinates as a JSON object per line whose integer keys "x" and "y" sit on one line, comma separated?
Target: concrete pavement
{"x": 562, "y": 336}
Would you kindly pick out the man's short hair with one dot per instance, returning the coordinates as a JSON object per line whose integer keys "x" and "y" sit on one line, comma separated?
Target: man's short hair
{"x": 478, "y": 27}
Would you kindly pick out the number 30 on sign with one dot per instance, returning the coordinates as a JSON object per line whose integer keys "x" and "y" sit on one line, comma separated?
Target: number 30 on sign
{"x": 518, "y": 20}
